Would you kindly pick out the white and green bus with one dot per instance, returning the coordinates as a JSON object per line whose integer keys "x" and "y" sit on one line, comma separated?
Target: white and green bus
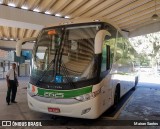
{"x": 80, "y": 68}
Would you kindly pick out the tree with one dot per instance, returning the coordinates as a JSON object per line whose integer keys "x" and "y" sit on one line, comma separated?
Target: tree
{"x": 148, "y": 46}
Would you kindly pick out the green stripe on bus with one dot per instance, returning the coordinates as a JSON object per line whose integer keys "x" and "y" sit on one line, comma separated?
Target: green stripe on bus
{"x": 63, "y": 93}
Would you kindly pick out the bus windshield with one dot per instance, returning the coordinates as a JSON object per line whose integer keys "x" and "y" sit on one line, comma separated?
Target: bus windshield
{"x": 65, "y": 54}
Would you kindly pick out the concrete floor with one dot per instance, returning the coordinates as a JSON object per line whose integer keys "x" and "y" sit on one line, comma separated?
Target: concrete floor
{"x": 143, "y": 104}
{"x": 19, "y": 111}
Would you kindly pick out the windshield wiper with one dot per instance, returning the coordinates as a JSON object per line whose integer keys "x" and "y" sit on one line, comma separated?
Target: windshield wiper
{"x": 46, "y": 70}
{"x": 58, "y": 65}
{"x": 66, "y": 73}
{"x": 63, "y": 67}
{"x": 54, "y": 61}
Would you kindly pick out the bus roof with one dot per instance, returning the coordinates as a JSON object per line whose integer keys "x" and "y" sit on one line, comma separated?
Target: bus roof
{"x": 86, "y": 20}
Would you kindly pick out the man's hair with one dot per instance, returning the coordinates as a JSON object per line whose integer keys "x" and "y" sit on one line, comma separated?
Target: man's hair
{"x": 13, "y": 63}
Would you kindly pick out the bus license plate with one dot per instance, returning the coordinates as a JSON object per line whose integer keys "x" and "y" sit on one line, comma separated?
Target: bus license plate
{"x": 55, "y": 110}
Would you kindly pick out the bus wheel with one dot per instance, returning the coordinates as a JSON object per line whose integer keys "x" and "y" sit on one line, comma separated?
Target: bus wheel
{"x": 136, "y": 82}
{"x": 116, "y": 96}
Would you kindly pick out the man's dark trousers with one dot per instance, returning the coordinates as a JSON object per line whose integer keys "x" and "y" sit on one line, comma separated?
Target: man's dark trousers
{"x": 12, "y": 88}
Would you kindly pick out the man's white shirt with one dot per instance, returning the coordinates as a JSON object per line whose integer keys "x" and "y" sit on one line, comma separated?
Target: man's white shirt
{"x": 10, "y": 74}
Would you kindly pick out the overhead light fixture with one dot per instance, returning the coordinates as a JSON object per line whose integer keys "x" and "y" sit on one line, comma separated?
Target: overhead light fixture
{"x": 12, "y": 5}
{"x": 155, "y": 16}
{"x": 96, "y": 20}
{"x": 24, "y": 7}
{"x": 5, "y": 38}
{"x": 11, "y": 39}
{"x": 66, "y": 17}
{"x": 36, "y": 10}
{"x": 58, "y": 15}
{"x": 47, "y": 12}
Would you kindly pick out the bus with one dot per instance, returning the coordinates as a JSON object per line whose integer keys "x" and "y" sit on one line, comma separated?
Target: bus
{"x": 79, "y": 68}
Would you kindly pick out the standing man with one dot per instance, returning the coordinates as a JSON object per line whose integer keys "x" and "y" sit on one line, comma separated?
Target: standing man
{"x": 12, "y": 84}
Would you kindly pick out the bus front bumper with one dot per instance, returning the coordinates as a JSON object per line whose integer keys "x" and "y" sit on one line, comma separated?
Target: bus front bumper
{"x": 90, "y": 109}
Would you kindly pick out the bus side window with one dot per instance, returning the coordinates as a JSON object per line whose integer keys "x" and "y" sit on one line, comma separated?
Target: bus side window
{"x": 103, "y": 64}
{"x": 125, "y": 50}
{"x": 108, "y": 53}
{"x": 106, "y": 58}
{"x": 120, "y": 47}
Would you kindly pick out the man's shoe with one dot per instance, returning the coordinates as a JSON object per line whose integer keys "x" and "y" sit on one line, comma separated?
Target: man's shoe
{"x": 14, "y": 102}
{"x": 8, "y": 103}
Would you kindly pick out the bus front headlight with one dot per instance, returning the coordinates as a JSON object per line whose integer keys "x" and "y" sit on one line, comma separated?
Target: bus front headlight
{"x": 88, "y": 96}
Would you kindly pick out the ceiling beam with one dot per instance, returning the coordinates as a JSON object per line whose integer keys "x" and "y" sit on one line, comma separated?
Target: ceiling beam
{"x": 59, "y": 5}
{"x": 114, "y": 7}
{"x": 134, "y": 23}
{"x": 99, "y": 8}
{"x": 85, "y": 8}
{"x": 17, "y": 24}
{"x": 46, "y": 4}
{"x": 148, "y": 12}
{"x": 126, "y": 8}
{"x": 73, "y": 7}
{"x": 145, "y": 29}
{"x": 12, "y": 45}
{"x": 133, "y": 11}
{"x": 14, "y": 17}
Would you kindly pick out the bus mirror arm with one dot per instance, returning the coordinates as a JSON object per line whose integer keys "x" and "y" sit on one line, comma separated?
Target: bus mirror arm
{"x": 99, "y": 40}
{"x": 22, "y": 42}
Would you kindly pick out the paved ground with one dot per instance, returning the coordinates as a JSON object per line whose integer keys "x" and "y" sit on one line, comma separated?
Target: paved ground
{"x": 19, "y": 111}
{"x": 143, "y": 104}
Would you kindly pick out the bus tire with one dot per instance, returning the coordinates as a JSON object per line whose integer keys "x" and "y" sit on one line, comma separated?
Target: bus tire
{"x": 136, "y": 82}
{"x": 116, "y": 96}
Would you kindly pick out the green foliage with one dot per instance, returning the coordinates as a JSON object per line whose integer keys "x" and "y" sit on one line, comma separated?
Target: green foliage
{"x": 148, "y": 47}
